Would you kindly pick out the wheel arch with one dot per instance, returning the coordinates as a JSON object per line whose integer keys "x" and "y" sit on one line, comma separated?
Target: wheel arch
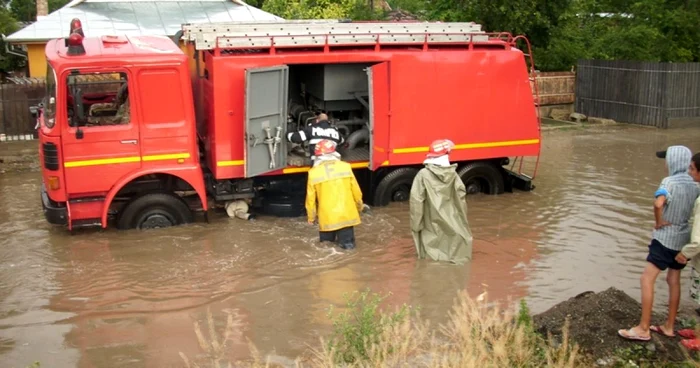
{"x": 193, "y": 178}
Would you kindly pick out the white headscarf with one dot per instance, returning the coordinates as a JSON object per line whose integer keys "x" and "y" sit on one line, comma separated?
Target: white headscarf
{"x": 443, "y": 160}
{"x": 327, "y": 157}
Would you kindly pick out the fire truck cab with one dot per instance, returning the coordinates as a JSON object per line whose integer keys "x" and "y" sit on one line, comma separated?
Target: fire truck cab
{"x": 103, "y": 140}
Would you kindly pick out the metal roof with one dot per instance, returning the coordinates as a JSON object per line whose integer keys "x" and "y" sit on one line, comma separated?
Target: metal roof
{"x": 137, "y": 17}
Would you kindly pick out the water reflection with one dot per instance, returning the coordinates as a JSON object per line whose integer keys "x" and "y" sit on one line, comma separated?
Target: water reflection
{"x": 130, "y": 299}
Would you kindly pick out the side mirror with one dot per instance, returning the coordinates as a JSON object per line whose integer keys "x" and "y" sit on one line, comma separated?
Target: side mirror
{"x": 79, "y": 133}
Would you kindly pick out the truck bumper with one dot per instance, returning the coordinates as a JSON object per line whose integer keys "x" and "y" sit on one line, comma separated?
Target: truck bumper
{"x": 54, "y": 213}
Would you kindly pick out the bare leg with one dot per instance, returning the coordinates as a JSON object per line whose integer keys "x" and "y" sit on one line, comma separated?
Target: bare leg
{"x": 641, "y": 331}
{"x": 674, "y": 298}
{"x": 649, "y": 276}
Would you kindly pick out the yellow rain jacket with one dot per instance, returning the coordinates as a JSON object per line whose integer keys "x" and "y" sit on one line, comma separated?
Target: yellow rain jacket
{"x": 339, "y": 196}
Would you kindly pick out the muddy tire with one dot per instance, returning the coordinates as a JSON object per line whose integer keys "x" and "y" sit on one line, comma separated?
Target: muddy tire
{"x": 482, "y": 177}
{"x": 394, "y": 187}
{"x": 154, "y": 210}
{"x": 284, "y": 205}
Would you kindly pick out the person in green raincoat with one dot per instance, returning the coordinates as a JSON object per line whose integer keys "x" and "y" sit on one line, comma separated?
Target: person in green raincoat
{"x": 439, "y": 209}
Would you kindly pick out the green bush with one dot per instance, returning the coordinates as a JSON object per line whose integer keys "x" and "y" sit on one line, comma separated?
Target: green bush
{"x": 360, "y": 325}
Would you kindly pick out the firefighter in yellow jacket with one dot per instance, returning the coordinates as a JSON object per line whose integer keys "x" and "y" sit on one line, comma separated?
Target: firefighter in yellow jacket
{"x": 333, "y": 185}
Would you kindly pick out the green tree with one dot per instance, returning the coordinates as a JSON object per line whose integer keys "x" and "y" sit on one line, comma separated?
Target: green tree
{"x": 644, "y": 30}
{"x": 561, "y": 31}
{"x": 8, "y": 25}
{"x": 321, "y": 9}
{"x": 25, "y": 10}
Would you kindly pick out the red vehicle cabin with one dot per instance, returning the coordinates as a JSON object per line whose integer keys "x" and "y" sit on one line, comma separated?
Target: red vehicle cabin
{"x": 124, "y": 140}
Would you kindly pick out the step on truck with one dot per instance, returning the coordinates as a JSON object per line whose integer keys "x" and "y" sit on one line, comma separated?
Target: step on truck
{"x": 136, "y": 132}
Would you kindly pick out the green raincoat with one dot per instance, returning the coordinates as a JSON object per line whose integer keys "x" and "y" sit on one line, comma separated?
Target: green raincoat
{"x": 439, "y": 215}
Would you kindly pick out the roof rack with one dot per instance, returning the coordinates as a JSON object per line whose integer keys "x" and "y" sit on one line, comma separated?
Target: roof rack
{"x": 295, "y": 33}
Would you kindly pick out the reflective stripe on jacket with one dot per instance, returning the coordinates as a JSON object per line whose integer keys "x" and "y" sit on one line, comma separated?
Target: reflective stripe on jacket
{"x": 333, "y": 188}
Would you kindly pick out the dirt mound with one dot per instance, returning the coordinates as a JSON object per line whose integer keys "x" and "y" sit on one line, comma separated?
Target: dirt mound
{"x": 594, "y": 320}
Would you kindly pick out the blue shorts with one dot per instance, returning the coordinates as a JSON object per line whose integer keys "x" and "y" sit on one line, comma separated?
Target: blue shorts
{"x": 662, "y": 257}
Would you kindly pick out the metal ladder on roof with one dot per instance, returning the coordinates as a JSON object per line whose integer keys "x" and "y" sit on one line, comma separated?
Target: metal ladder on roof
{"x": 304, "y": 33}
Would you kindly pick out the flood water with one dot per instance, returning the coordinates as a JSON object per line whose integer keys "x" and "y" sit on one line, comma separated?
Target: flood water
{"x": 130, "y": 299}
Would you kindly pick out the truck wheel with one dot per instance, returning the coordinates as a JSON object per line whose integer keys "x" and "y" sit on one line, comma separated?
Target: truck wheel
{"x": 283, "y": 205}
{"x": 154, "y": 210}
{"x": 395, "y": 186}
{"x": 482, "y": 177}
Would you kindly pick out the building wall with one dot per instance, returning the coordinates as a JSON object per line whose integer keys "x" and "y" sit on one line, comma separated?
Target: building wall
{"x": 37, "y": 58}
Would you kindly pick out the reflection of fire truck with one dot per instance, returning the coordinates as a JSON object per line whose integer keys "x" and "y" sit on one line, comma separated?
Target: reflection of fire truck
{"x": 133, "y": 131}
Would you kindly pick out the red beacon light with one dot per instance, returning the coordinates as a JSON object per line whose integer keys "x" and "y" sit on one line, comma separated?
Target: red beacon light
{"x": 74, "y": 42}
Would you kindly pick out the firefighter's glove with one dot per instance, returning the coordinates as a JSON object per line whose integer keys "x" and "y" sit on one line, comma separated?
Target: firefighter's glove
{"x": 366, "y": 209}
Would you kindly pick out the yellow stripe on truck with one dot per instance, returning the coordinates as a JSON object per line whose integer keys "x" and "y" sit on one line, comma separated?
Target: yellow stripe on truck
{"x": 523, "y": 142}
{"x": 173, "y": 156}
{"x": 230, "y": 163}
{"x": 125, "y": 160}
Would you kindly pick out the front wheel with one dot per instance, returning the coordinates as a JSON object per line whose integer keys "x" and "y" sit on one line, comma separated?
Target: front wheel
{"x": 154, "y": 211}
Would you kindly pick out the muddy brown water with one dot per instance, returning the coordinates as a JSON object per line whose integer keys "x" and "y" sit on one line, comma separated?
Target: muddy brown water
{"x": 130, "y": 299}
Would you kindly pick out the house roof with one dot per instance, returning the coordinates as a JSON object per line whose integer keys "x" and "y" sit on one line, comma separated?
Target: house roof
{"x": 136, "y": 17}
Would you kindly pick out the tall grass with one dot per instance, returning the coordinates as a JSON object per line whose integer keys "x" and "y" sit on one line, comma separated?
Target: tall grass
{"x": 475, "y": 335}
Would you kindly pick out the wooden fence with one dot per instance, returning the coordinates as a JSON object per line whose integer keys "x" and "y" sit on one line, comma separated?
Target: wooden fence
{"x": 16, "y": 122}
{"x": 664, "y": 95}
{"x": 556, "y": 88}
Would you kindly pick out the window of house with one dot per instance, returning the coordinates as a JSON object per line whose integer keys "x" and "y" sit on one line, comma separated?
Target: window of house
{"x": 98, "y": 99}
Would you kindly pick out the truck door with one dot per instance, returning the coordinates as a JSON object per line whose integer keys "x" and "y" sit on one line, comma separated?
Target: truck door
{"x": 265, "y": 119}
{"x": 379, "y": 119}
{"x": 101, "y": 139}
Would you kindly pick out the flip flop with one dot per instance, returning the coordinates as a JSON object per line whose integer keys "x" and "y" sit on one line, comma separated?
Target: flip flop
{"x": 659, "y": 331}
{"x": 631, "y": 335}
{"x": 691, "y": 344}
{"x": 687, "y": 333}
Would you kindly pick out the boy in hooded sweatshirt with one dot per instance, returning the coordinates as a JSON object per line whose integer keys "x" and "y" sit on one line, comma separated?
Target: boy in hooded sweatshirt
{"x": 438, "y": 209}
{"x": 673, "y": 207}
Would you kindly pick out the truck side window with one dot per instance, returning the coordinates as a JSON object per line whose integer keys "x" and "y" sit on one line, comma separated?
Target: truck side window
{"x": 104, "y": 96}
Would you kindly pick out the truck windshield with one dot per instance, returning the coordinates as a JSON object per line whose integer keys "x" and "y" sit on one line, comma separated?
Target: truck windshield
{"x": 50, "y": 99}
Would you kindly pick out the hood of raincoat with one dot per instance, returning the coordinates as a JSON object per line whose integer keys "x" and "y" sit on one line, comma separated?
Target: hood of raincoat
{"x": 678, "y": 159}
{"x": 445, "y": 174}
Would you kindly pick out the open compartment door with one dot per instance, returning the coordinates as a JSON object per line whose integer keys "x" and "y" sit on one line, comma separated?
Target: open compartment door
{"x": 378, "y": 76}
{"x": 265, "y": 119}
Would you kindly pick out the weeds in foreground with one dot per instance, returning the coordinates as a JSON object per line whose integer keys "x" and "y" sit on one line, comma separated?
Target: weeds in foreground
{"x": 360, "y": 327}
{"x": 215, "y": 348}
{"x": 475, "y": 335}
{"x": 688, "y": 322}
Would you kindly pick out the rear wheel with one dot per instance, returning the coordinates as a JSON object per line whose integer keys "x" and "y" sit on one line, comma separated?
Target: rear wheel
{"x": 395, "y": 186}
{"x": 154, "y": 211}
{"x": 284, "y": 205}
{"x": 482, "y": 177}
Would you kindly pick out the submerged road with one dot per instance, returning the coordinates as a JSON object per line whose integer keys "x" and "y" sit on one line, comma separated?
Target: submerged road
{"x": 130, "y": 299}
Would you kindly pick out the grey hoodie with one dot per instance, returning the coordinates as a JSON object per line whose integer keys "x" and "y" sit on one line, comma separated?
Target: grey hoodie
{"x": 681, "y": 192}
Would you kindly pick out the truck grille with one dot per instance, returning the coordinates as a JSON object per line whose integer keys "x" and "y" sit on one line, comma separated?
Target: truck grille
{"x": 50, "y": 156}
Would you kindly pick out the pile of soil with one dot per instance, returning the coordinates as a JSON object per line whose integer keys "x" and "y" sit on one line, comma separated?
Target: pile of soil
{"x": 594, "y": 319}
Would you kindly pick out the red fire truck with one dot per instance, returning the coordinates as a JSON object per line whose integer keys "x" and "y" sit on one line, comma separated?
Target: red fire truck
{"x": 136, "y": 133}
